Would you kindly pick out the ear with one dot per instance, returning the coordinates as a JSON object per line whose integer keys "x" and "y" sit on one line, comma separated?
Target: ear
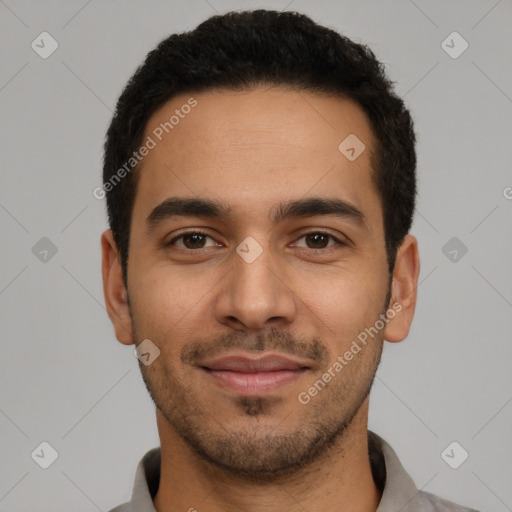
{"x": 114, "y": 290}
{"x": 403, "y": 290}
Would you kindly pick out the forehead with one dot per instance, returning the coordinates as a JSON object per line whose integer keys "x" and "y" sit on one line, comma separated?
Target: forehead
{"x": 255, "y": 148}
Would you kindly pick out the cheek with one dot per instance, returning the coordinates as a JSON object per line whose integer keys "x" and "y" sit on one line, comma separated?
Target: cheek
{"x": 345, "y": 302}
{"x": 158, "y": 302}
{"x": 169, "y": 301}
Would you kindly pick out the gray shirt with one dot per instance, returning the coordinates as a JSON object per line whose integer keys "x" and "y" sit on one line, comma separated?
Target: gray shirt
{"x": 399, "y": 494}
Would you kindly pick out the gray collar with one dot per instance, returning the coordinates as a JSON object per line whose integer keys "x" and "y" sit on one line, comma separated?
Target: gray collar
{"x": 399, "y": 491}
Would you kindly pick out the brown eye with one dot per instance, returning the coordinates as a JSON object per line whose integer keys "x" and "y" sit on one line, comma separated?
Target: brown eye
{"x": 193, "y": 240}
{"x": 318, "y": 240}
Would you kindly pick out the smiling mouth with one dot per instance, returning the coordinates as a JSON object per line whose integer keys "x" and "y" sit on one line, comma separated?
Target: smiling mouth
{"x": 246, "y": 375}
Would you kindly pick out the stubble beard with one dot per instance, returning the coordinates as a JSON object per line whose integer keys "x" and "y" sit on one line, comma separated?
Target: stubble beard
{"x": 263, "y": 451}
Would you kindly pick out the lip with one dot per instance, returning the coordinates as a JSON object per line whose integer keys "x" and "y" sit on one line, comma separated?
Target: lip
{"x": 253, "y": 376}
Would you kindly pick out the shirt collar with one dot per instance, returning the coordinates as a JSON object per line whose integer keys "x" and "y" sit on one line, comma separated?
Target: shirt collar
{"x": 399, "y": 492}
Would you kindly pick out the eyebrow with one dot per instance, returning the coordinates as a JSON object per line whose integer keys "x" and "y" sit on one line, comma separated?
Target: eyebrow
{"x": 175, "y": 207}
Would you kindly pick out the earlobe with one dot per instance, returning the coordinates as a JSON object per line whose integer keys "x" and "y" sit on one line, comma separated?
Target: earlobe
{"x": 114, "y": 290}
{"x": 403, "y": 290}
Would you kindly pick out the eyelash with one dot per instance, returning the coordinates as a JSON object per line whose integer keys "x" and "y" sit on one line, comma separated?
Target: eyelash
{"x": 326, "y": 250}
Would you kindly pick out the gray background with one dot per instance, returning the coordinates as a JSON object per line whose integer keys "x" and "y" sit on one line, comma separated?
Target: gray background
{"x": 64, "y": 378}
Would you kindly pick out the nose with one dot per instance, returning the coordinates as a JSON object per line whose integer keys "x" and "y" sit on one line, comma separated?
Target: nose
{"x": 256, "y": 295}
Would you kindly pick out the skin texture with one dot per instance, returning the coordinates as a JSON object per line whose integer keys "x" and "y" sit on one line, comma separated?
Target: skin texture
{"x": 253, "y": 149}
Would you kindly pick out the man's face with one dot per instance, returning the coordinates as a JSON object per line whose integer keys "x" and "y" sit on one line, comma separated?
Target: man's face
{"x": 223, "y": 302}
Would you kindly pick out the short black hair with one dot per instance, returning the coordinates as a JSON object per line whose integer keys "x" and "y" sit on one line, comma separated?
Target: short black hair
{"x": 239, "y": 51}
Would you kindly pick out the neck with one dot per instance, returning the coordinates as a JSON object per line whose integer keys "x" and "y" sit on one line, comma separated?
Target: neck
{"x": 341, "y": 479}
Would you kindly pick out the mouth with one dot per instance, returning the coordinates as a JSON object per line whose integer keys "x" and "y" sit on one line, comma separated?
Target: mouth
{"x": 246, "y": 375}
